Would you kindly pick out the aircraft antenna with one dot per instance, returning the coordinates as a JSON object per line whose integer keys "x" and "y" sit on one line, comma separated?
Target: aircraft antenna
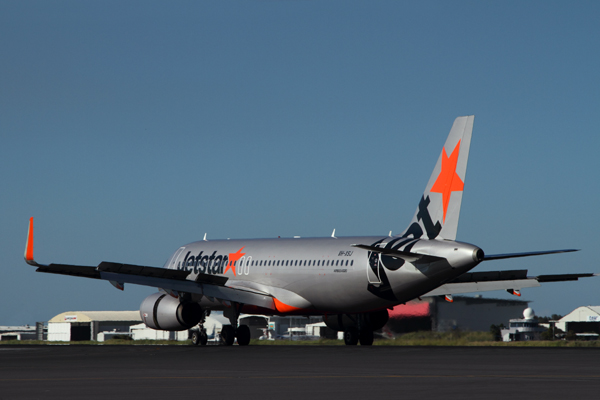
{"x": 333, "y": 234}
{"x": 204, "y": 237}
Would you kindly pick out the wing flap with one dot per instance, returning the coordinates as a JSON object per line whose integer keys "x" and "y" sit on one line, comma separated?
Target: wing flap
{"x": 118, "y": 268}
{"x": 72, "y": 270}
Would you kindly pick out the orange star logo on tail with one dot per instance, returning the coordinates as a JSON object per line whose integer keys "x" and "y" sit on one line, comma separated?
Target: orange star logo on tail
{"x": 448, "y": 180}
{"x": 233, "y": 257}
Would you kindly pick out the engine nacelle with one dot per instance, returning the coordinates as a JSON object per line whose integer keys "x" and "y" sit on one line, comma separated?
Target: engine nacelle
{"x": 340, "y": 322}
{"x": 164, "y": 312}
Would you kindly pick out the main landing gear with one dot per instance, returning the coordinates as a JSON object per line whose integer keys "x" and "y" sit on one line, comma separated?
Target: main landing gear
{"x": 229, "y": 333}
{"x": 352, "y": 336}
{"x": 358, "y": 328}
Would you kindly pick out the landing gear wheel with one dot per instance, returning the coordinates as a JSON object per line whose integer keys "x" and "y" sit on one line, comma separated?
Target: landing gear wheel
{"x": 366, "y": 337}
{"x": 196, "y": 338}
{"x": 227, "y": 335}
{"x": 243, "y": 335}
{"x": 199, "y": 337}
{"x": 203, "y": 338}
{"x": 351, "y": 337}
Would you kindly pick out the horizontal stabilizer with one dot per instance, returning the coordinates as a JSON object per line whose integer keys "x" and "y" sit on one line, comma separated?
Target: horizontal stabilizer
{"x": 531, "y": 253}
{"x": 562, "y": 277}
{"x": 514, "y": 280}
{"x": 405, "y": 255}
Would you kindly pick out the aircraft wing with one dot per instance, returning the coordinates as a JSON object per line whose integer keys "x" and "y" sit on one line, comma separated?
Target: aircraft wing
{"x": 511, "y": 281}
{"x": 167, "y": 279}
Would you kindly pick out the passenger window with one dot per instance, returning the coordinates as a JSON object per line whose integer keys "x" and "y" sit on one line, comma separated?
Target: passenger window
{"x": 305, "y": 263}
{"x": 351, "y": 262}
{"x": 287, "y": 263}
{"x": 346, "y": 263}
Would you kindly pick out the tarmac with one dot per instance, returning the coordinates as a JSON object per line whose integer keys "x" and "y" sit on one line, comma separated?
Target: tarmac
{"x": 297, "y": 372}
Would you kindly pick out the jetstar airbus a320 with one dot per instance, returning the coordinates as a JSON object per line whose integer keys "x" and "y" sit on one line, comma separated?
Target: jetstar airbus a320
{"x": 351, "y": 281}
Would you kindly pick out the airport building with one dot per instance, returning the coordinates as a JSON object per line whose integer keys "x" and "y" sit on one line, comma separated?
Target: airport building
{"x": 463, "y": 313}
{"x": 523, "y": 329}
{"x": 25, "y": 332}
{"x": 582, "y": 320}
{"x": 85, "y": 325}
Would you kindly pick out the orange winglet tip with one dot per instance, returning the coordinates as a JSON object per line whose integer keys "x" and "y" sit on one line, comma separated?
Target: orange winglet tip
{"x": 449, "y": 298}
{"x": 29, "y": 245}
{"x": 514, "y": 291}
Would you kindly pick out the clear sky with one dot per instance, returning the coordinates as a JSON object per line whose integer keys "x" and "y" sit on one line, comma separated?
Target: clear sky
{"x": 131, "y": 128}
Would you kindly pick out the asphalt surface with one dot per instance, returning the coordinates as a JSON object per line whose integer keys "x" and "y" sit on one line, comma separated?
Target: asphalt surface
{"x": 297, "y": 372}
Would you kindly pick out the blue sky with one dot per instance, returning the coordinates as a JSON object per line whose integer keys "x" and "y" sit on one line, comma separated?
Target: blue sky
{"x": 130, "y": 128}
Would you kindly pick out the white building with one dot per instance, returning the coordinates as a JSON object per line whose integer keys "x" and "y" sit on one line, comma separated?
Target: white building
{"x": 85, "y": 325}
{"x": 522, "y": 329}
{"x": 581, "y": 320}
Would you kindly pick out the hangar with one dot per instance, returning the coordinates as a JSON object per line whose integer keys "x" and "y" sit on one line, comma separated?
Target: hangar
{"x": 463, "y": 313}
{"x": 85, "y": 325}
{"x": 584, "y": 319}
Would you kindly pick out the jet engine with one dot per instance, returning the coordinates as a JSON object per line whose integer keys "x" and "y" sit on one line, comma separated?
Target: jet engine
{"x": 164, "y": 312}
{"x": 341, "y": 322}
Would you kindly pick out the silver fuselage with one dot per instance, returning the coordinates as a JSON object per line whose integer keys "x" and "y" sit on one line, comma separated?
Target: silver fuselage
{"x": 326, "y": 275}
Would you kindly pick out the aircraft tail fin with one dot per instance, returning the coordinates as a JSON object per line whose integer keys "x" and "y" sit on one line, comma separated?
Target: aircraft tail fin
{"x": 439, "y": 207}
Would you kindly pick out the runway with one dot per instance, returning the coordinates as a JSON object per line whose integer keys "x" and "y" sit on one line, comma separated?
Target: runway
{"x": 296, "y": 372}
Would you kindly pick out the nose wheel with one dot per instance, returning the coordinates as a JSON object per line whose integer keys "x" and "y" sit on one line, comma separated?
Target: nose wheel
{"x": 199, "y": 337}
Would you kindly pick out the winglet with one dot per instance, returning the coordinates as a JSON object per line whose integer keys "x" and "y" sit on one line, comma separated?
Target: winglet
{"x": 29, "y": 245}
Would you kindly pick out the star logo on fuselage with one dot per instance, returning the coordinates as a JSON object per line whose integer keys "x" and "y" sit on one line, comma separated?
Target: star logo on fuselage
{"x": 233, "y": 257}
{"x": 448, "y": 180}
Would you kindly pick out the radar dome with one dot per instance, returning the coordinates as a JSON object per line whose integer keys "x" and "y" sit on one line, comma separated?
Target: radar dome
{"x": 529, "y": 313}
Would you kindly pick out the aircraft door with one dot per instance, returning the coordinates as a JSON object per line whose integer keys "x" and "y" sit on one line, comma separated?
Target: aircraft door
{"x": 374, "y": 269}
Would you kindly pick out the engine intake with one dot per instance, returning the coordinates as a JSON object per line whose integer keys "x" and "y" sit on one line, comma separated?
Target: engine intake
{"x": 164, "y": 312}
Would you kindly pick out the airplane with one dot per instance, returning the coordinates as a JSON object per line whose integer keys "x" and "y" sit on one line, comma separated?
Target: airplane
{"x": 350, "y": 281}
